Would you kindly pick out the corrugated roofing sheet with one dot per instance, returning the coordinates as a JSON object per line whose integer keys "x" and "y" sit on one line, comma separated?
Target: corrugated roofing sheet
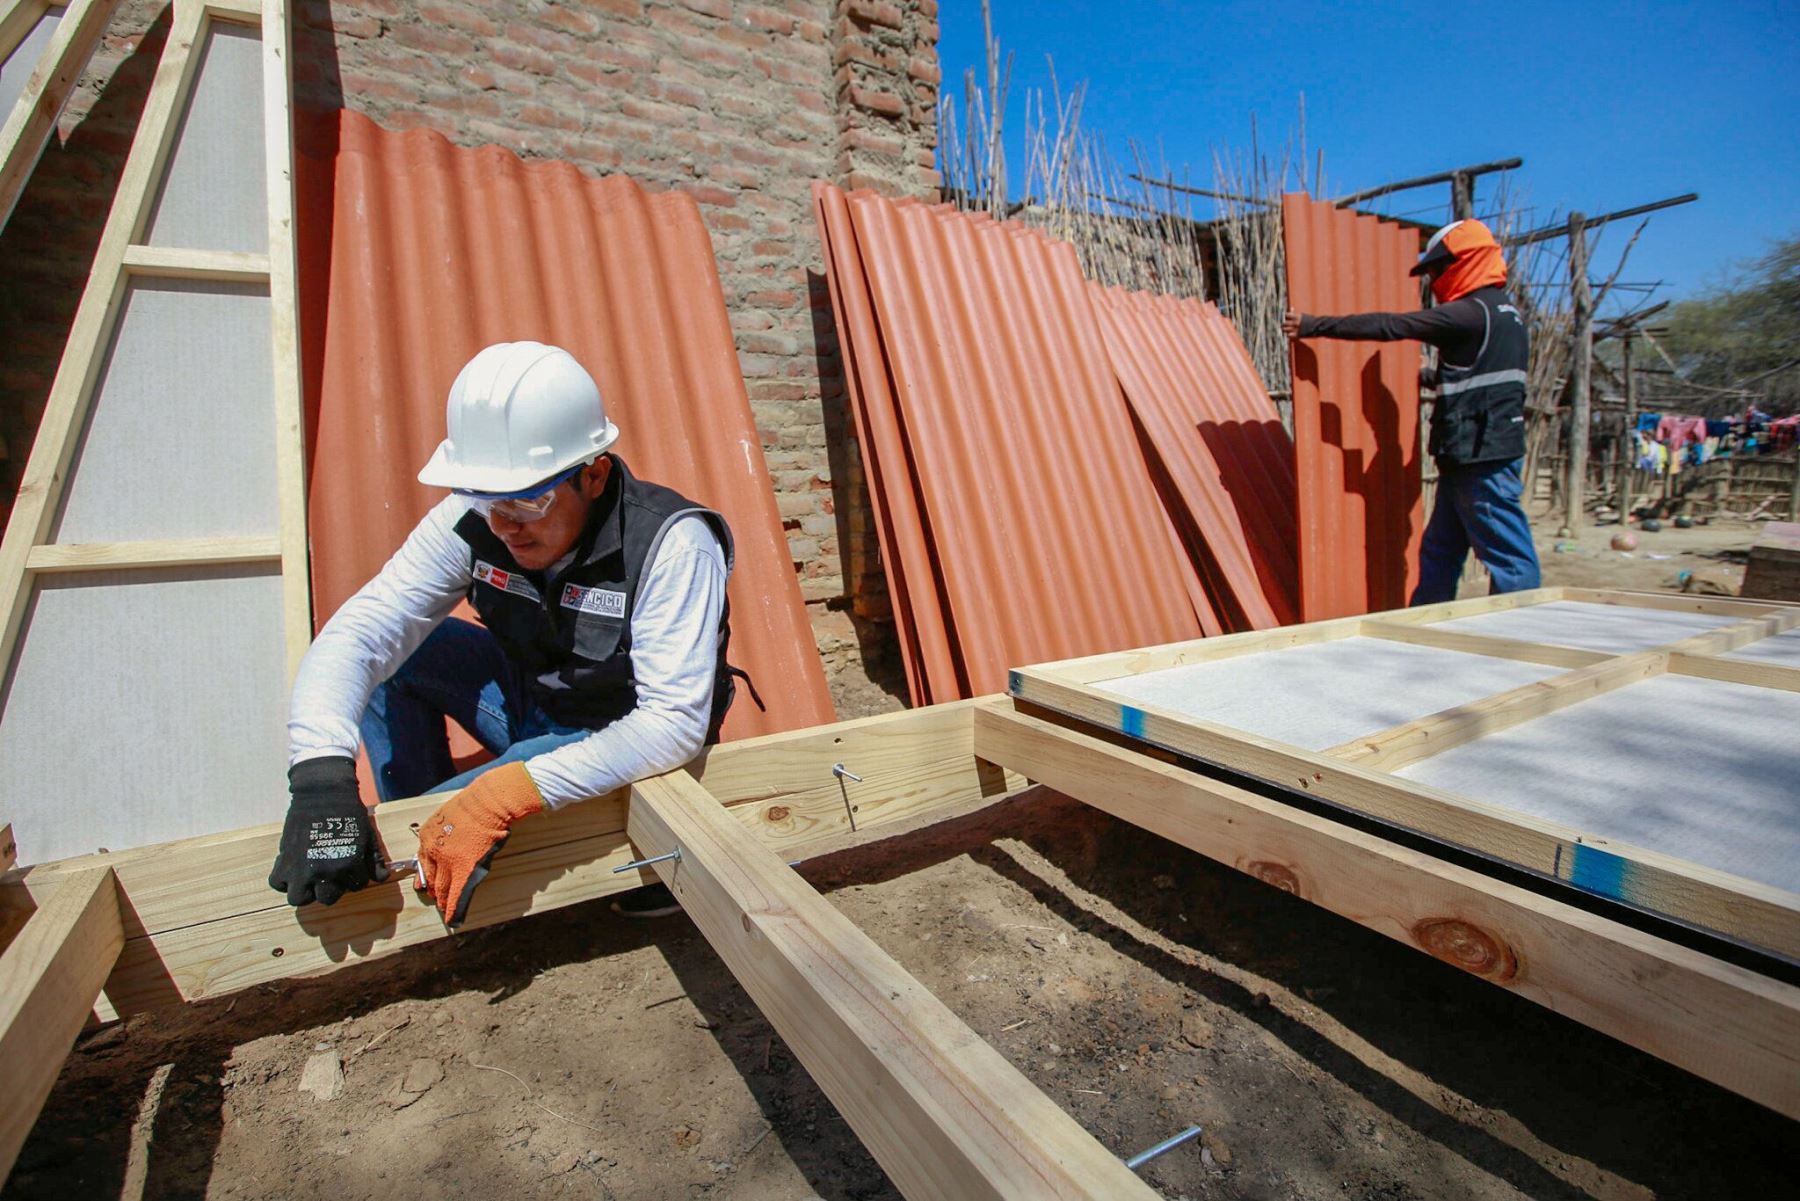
{"x": 1356, "y": 413}
{"x": 1215, "y": 434}
{"x": 1015, "y": 499}
{"x": 415, "y": 254}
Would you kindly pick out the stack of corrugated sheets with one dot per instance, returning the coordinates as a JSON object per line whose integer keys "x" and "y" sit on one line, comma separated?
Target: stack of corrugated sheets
{"x": 1056, "y": 471}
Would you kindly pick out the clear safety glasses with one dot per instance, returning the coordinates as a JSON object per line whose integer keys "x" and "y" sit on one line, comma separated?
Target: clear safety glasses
{"x": 534, "y": 504}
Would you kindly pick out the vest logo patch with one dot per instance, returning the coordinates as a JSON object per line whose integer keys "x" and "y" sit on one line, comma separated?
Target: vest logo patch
{"x": 504, "y": 580}
{"x": 602, "y": 602}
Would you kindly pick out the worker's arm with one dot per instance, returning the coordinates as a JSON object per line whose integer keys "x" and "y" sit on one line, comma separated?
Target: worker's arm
{"x": 1457, "y": 328}
{"x": 374, "y": 632}
{"x": 674, "y": 657}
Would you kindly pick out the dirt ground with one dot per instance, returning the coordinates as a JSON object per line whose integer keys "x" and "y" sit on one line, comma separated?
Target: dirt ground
{"x": 1142, "y": 987}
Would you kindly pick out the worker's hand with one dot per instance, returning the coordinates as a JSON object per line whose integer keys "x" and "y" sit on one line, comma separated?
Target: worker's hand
{"x": 328, "y": 845}
{"x": 1290, "y": 323}
{"x": 457, "y": 843}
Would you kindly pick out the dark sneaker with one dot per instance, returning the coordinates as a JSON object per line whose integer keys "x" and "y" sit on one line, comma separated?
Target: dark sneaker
{"x": 652, "y": 900}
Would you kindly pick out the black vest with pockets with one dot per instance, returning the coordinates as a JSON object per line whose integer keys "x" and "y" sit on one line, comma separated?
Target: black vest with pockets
{"x": 571, "y": 634}
{"x": 1480, "y": 414}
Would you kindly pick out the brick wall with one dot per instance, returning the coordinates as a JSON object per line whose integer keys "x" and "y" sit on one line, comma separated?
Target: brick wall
{"x": 741, "y": 104}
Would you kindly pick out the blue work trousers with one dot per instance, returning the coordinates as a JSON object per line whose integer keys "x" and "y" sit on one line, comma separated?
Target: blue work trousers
{"x": 458, "y": 672}
{"x": 1477, "y": 509}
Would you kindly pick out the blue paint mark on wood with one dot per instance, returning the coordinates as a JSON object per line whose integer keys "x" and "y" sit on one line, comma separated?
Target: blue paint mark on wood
{"x": 1131, "y": 721}
{"x": 1600, "y": 872}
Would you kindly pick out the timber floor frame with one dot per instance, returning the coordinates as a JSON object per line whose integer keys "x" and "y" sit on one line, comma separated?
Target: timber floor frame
{"x": 943, "y": 1112}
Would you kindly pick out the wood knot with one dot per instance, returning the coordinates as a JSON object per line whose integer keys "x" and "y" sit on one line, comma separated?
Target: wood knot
{"x": 776, "y": 813}
{"x": 1279, "y": 874}
{"x": 1468, "y": 947}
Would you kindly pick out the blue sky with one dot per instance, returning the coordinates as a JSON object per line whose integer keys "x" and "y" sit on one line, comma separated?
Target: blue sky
{"x": 1609, "y": 105}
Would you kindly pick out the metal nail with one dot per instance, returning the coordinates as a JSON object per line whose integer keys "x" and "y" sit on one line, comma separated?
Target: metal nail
{"x": 674, "y": 855}
{"x": 844, "y": 773}
{"x": 1168, "y": 1144}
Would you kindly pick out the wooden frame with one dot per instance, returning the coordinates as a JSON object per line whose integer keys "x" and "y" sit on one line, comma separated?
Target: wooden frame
{"x": 125, "y": 256}
{"x": 941, "y": 1111}
{"x": 1356, "y": 774}
{"x": 27, "y": 128}
{"x": 1724, "y": 1023}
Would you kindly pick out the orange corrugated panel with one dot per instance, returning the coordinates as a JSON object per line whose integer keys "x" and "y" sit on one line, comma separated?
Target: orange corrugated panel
{"x": 1004, "y": 448}
{"x": 1214, "y": 432}
{"x": 415, "y": 254}
{"x": 1356, "y": 413}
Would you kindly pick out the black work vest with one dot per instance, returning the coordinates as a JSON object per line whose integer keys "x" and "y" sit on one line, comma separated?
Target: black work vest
{"x": 570, "y": 634}
{"x": 1480, "y": 415}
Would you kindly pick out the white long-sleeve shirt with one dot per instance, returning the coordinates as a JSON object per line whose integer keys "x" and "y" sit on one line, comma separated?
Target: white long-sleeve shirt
{"x": 674, "y": 655}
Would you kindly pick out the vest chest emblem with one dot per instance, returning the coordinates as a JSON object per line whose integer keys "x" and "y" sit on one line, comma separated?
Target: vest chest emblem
{"x": 602, "y": 602}
{"x": 506, "y": 581}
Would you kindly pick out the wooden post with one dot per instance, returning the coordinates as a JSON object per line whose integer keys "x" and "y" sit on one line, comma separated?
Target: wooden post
{"x": 1627, "y": 440}
{"x": 1462, "y": 196}
{"x": 1794, "y": 489}
{"x": 1581, "y": 336}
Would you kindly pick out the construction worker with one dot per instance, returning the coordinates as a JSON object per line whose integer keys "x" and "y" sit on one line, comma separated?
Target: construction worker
{"x": 601, "y": 658}
{"x": 1478, "y": 428}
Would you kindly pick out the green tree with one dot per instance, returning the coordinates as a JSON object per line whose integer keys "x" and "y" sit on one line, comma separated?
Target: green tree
{"x": 1744, "y": 329}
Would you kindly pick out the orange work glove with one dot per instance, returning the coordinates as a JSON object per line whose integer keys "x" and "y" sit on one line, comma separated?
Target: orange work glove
{"x": 457, "y": 843}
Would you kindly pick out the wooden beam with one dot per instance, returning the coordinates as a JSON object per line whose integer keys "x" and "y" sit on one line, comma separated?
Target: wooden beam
{"x": 284, "y": 331}
{"x": 201, "y": 920}
{"x": 172, "y": 552}
{"x": 49, "y": 978}
{"x": 1726, "y": 1024}
{"x": 1741, "y": 908}
{"x": 1671, "y": 602}
{"x": 1391, "y": 749}
{"x": 27, "y": 128}
{"x": 9, "y": 847}
{"x": 1482, "y": 644}
{"x": 1451, "y": 610}
{"x": 942, "y": 1112}
{"x": 1736, "y": 671}
{"x": 17, "y": 19}
{"x": 220, "y": 266}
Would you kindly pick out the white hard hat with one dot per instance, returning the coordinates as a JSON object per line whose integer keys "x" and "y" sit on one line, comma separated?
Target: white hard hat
{"x": 519, "y": 413}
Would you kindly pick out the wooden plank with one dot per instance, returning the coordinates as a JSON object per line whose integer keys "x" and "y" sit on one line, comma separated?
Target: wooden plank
{"x": 1732, "y": 905}
{"x": 1726, "y": 1024}
{"x": 1736, "y": 671}
{"x": 202, "y": 921}
{"x": 284, "y": 330}
{"x": 17, "y": 19}
{"x": 27, "y": 128}
{"x": 1671, "y": 602}
{"x": 1482, "y": 644}
{"x": 41, "y": 487}
{"x": 9, "y": 847}
{"x": 1391, "y": 749}
{"x": 1470, "y": 607}
{"x": 175, "y": 262}
{"x": 49, "y": 978}
{"x": 241, "y": 12}
{"x": 1114, "y": 664}
{"x": 943, "y": 1112}
{"x": 110, "y": 556}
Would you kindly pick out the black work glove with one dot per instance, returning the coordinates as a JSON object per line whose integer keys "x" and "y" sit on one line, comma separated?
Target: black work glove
{"x": 328, "y": 845}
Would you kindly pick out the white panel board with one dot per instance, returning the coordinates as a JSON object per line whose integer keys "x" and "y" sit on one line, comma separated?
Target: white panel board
{"x": 144, "y": 706}
{"x": 180, "y": 437}
{"x": 1700, "y": 769}
{"x": 17, "y": 68}
{"x": 1327, "y": 693}
{"x": 213, "y": 196}
{"x": 1615, "y": 629}
{"x": 1783, "y": 650}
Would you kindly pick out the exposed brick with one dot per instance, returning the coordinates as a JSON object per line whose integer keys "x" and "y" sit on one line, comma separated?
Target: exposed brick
{"x": 436, "y": 41}
{"x": 459, "y": 16}
{"x": 874, "y": 12}
{"x": 885, "y": 103}
{"x": 712, "y": 8}
{"x": 769, "y": 19}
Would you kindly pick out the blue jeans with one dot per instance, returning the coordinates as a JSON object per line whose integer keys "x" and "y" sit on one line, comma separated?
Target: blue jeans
{"x": 1477, "y": 508}
{"x": 458, "y": 672}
